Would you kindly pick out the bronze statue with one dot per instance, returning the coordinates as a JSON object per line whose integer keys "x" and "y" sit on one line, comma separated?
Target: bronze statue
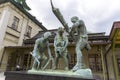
{"x": 81, "y": 39}
{"x": 60, "y": 45}
{"x": 40, "y": 59}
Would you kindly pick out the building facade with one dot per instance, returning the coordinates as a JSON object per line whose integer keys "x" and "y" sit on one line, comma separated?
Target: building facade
{"x": 16, "y": 25}
{"x": 19, "y": 30}
{"x": 112, "y": 55}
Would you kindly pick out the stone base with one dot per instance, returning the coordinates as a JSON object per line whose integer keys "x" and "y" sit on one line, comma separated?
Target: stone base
{"x": 84, "y": 73}
{"x": 17, "y": 75}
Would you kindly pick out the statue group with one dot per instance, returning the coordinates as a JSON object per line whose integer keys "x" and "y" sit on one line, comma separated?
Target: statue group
{"x": 60, "y": 47}
{"x": 77, "y": 32}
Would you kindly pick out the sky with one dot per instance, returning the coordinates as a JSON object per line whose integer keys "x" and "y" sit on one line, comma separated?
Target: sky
{"x": 98, "y": 15}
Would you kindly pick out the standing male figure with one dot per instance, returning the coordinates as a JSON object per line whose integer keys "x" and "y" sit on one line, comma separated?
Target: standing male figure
{"x": 81, "y": 40}
{"x": 41, "y": 44}
{"x": 60, "y": 45}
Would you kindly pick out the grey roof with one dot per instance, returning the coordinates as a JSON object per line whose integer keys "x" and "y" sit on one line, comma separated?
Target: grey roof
{"x": 92, "y": 37}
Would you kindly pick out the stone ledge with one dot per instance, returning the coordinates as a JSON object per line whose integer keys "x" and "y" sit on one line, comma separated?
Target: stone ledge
{"x": 19, "y": 75}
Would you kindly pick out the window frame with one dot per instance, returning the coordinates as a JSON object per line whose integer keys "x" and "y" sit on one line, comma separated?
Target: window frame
{"x": 118, "y": 63}
{"x": 28, "y": 31}
{"x": 96, "y": 65}
{"x": 15, "y": 23}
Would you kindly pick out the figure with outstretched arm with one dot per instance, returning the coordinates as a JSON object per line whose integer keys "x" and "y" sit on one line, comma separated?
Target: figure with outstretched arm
{"x": 81, "y": 39}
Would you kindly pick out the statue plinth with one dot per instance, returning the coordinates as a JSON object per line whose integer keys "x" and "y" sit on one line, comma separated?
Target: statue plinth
{"x": 19, "y": 75}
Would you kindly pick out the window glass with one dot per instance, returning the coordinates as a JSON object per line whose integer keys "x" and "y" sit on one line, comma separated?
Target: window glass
{"x": 118, "y": 61}
{"x": 28, "y": 31}
{"x": 15, "y": 23}
{"x": 95, "y": 62}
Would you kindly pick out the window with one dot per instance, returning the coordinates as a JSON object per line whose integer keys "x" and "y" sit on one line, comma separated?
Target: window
{"x": 15, "y": 23}
{"x": 95, "y": 62}
{"x": 118, "y": 62}
{"x": 28, "y": 31}
{"x": 27, "y": 61}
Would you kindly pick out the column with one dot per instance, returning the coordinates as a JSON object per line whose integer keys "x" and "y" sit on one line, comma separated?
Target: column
{"x": 24, "y": 26}
{"x": 3, "y": 24}
{"x": 103, "y": 64}
{"x": 114, "y": 56}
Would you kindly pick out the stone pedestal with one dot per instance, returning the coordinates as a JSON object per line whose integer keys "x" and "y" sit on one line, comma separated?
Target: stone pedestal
{"x": 18, "y": 75}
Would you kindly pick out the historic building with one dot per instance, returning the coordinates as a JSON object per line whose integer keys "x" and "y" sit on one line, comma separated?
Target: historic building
{"x": 19, "y": 30}
{"x": 112, "y": 55}
{"x": 16, "y": 25}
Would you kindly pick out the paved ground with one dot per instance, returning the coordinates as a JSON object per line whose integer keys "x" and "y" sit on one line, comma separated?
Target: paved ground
{"x": 2, "y": 77}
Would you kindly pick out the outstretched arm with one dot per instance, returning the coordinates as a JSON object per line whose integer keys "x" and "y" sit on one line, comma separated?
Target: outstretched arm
{"x": 36, "y": 45}
{"x": 50, "y": 58}
{"x": 72, "y": 33}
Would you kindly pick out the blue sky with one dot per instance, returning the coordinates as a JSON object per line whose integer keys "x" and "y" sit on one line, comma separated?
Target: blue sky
{"x": 98, "y": 15}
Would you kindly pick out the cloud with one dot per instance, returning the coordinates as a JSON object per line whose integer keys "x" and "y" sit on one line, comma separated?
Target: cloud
{"x": 98, "y": 15}
{"x": 106, "y": 24}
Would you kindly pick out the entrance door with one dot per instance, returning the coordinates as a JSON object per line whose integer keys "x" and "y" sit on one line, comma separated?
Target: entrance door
{"x": 12, "y": 62}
